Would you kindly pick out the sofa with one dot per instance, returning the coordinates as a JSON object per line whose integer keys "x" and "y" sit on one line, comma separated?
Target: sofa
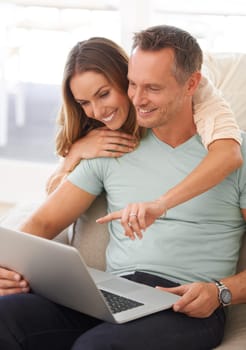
{"x": 227, "y": 71}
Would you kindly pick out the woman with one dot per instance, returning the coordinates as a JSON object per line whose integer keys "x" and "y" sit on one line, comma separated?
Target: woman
{"x": 83, "y": 135}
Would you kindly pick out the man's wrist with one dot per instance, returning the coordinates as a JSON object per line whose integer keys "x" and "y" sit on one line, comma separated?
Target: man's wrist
{"x": 224, "y": 293}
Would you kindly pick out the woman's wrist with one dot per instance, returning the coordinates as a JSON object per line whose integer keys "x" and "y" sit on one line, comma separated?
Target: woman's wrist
{"x": 162, "y": 205}
{"x": 69, "y": 163}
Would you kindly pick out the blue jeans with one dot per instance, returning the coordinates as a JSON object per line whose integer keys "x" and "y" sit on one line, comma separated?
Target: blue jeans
{"x": 31, "y": 322}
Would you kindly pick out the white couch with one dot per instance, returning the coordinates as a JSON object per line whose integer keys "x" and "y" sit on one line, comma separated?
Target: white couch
{"x": 228, "y": 73}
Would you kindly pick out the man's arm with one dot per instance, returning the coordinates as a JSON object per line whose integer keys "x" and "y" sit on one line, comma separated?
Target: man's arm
{"x": 200, "y": 299}
{"x": 59, "y": 210}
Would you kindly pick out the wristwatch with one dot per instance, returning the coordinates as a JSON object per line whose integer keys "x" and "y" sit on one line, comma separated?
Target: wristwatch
{"x": 224, "y": 294}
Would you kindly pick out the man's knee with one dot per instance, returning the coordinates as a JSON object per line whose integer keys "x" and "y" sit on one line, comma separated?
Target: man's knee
{"x": 7, "y": 324}
{"x": 103, "y": 337}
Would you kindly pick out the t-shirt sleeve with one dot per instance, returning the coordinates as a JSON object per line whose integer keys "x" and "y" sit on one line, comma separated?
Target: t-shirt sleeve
{"x": 242, "y": 174}
{"x": 213, "y": 116}
{"x": 88, "y": 176}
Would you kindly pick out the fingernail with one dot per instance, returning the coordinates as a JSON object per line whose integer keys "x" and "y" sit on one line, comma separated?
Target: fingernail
{"x": 23, "y": 284}
{"x": 176, "y": 308}
{"x": 17, "y": 277}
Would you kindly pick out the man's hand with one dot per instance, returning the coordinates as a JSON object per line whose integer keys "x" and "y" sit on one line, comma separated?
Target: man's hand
{"x": 12, "y": 282}
{"x": 198, "y": 299}
{"x": 136, "y": 217}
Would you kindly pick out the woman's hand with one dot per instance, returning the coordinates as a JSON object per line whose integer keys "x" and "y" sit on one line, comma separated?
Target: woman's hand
{"x": 136, "y": 217}
{"x": 102, "y": 142}
{"x": 12, "y": 282}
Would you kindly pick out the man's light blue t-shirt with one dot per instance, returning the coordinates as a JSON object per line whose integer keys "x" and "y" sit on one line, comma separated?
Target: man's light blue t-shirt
{"x": 198, "y": 240}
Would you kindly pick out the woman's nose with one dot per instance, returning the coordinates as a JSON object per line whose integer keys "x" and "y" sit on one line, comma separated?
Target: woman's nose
{"x": 97, "y": 111}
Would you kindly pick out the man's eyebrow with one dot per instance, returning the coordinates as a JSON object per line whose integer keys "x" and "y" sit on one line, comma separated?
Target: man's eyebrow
{"x": 146, "y": 84}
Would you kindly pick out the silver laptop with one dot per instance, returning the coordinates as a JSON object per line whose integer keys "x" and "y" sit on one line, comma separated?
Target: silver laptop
{"x": 59, "y": 273}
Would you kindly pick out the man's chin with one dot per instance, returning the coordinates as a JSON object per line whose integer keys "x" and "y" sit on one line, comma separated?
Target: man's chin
{"x": 144, "y": 122}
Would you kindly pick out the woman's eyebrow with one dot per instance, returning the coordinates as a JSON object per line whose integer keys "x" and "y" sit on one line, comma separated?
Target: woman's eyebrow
{"x": 95, "y": 94}
{"x": 98, "y": 91}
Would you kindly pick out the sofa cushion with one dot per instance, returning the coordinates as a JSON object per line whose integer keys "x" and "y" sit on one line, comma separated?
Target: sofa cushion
{"x": 227, "y": 72}
{"x": 90, "y": 238}
{"x": 242, "y": 258}
{"x": 235, "y": 331}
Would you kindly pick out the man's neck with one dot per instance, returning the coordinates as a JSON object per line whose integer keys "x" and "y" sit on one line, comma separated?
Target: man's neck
{"x": 175, "y": 135}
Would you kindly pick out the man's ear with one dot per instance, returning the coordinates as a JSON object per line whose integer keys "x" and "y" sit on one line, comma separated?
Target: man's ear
{"x": 193, "y": 82}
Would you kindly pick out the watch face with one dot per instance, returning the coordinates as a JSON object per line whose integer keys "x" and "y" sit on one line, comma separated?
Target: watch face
{"x": 225, "y": 296}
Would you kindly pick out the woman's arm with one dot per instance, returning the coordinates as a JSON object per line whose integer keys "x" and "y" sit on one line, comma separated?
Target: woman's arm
{"x": 221, "y": 135}
{"x": 212, "y": 170}
{"x": 100, "y": 142}
{"x": 224, "y": 156}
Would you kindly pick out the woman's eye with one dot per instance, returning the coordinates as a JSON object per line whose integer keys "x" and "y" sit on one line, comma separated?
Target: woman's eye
{"x": 83, "y": 103}
{"x": 104, "y": 94}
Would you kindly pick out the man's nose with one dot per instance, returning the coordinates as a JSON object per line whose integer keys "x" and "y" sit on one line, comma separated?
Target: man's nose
{"x": 137, "y": 97}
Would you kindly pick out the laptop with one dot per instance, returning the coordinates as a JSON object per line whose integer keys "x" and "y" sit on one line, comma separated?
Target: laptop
{"x": 58, "y": 272}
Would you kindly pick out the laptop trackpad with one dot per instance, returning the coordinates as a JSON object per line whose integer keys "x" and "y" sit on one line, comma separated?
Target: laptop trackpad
{"x": 118, "y": 285}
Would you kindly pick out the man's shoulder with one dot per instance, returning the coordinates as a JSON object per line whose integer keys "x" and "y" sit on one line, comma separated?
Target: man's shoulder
{"x": 93, "y": 165}
{"x": 243, "y": 134}
{"x": 243, "y": 144}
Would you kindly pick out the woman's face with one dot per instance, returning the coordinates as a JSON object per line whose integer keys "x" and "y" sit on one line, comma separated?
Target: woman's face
{"x": 99, "y": 99}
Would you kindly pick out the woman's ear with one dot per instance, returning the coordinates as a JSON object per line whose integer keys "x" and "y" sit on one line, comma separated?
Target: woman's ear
{"x": 193, "y": 82}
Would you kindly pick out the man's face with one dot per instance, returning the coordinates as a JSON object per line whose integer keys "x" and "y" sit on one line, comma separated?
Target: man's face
{"x": 158, "y": 98}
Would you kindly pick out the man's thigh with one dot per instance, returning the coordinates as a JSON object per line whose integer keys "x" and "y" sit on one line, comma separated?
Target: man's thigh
{"x": 165, "y": 330}
{"x": 28, "y": 321}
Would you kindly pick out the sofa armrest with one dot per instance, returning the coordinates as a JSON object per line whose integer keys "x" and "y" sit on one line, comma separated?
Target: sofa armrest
{"x": 235, "y": 331}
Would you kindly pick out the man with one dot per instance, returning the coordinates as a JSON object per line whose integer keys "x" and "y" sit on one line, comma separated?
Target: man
{"x": 197, "y": 243}
{"x": 154, "y": 75}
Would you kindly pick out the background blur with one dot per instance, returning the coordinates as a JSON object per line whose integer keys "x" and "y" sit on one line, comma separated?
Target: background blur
{"x": 35, "y": 38}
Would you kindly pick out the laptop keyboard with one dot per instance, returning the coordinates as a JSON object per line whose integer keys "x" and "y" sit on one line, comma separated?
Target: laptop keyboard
{"x": 118, "y": 303}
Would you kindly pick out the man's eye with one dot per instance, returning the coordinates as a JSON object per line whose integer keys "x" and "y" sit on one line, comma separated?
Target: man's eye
{"x": 132, "y": 84}
{"x": 154, "y": 88}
